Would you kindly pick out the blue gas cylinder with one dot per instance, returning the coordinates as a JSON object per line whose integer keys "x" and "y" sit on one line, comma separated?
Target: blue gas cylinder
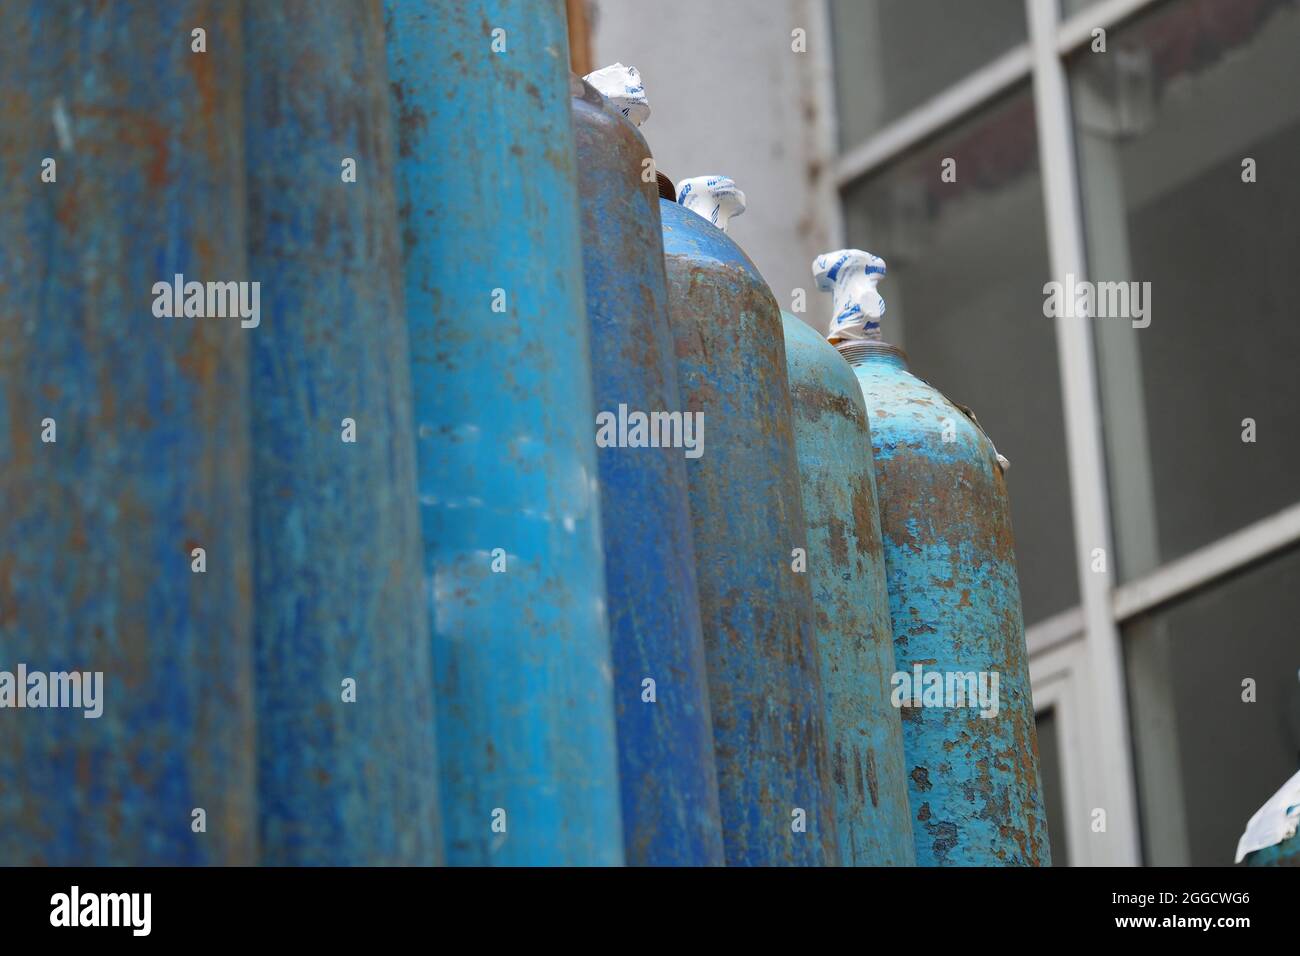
{"x": 846, "y": 568}
{"x": 1270, "y": 838}
{"x": 506, "y": 460}
{"x": 962, "y": 678}
{"x": 125, "y": 587}
{"x": 665, "y": 742}
{"x": 347, "y": 769}
{"x": 774, "y": 775}
{"x": 1285, "y": 853}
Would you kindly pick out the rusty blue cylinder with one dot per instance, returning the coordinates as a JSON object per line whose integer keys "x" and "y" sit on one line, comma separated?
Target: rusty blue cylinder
{"x": 954, "y": 599}
{"x": 347, "y": 768}
{"x": 774, "y": 777}
{"x": 846, "y": 567}
{"x": 507, "y": 473}
{"x": 123, "y": 439}
{"x": 973, "y": 784}
{"x": 667, "y": 776}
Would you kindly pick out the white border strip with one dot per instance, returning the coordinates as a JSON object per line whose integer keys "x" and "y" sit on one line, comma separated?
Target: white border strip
{"x": 1060, "y": 684}
{"x": 1201, "y": 567}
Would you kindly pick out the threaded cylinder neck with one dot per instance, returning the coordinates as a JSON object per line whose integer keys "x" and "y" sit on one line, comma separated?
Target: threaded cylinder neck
{"x": 857, "y": 352}
{"x": 666, "y": 188}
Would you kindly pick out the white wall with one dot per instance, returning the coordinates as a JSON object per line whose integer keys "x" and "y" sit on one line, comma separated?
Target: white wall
{"x": 729, "y": 96}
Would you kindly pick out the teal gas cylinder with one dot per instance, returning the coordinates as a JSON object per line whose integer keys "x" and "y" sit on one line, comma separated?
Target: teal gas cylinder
{"x": 774, "y": 777}
{"x": 846, "y": 568}
{"x": 962, "y": 676}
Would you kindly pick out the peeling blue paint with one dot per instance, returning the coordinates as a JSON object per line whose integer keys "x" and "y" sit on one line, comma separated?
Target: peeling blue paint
{"x": 973, "y": 782}
{"x": 1286, "y": 853}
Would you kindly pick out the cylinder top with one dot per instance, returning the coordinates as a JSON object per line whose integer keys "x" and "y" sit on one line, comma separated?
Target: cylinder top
{"x": 689, "y": 235}
{"x": 716, "y": 198}
{"x": 810, "y": 359}
{"x": 622, "y": 86}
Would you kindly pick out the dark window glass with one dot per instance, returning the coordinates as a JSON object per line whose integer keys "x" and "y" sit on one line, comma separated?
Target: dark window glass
{"x": 1164, "y": 122}
{"x": 967, "y": 262}
{"x": 1206, "y": 759}
{"x": 1049, "y": 768}
{"x": 893, "y": 55}
{"x": 1070, "y": 7}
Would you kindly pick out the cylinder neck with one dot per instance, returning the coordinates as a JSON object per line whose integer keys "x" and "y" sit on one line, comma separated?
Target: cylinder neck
{"x": 666, "y": 188}
{"x": 622, "y": 87}
{"x": 860, "y": 353}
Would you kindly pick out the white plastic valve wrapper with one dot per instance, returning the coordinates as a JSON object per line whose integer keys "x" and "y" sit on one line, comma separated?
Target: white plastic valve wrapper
{"x": 1275, "y": 821}
{"x": 716, "y": 198}
{"x": 850, "y": 276}
{"x": 622, "y": 86}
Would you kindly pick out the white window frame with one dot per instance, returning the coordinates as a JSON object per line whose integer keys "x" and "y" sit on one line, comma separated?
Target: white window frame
{"x": 1059, "y": 680}
{"x": 1076, "y": 663}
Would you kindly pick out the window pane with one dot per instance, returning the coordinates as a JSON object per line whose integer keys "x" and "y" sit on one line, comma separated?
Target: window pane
{"x": 1070, "y": 7}
{"x": 967, "y": 262}
{"x": 893, "y": 55}
{"x": 1049, "y": 767}
{"x": 1163, "y": 123}
{"x": 1206, "y": 760}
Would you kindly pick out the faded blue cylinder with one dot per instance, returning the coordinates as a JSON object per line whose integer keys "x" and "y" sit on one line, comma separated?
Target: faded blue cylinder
{"x": 347, "y": 769}
{"x": 665, "y": 743}
{"x": 846, "y": 568}
{"x": 508, "y": 483}
{"x": 124, "y": 504}
{"x": 954, "y": 598}
{"x": 765, "y": 695}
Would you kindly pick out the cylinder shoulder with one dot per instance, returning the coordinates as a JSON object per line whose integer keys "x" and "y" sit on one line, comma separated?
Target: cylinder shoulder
{"x": 813, "y": 363}
{"x": 690, "y": 236}
{"x": 595, "y": 117}
{"x": 909, "y": 413}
